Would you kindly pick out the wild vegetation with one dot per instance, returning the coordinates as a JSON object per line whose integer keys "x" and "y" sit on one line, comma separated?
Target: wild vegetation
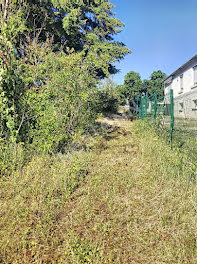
{"x": 134, "y": 87}
{"x": 53, "y": 55}
{"x": 117, "y": 203}
{"x": 75, "y": 188}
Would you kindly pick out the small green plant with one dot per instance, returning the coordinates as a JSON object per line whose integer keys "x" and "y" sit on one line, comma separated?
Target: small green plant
{"x": 83, "y": 251}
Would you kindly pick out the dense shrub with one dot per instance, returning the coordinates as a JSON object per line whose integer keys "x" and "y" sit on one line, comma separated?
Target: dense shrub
{"x": 66, "y": 107}
{"x": 48, "y": 104}
{"x": 108, "y": 100}
{"x": 49, "y": 72}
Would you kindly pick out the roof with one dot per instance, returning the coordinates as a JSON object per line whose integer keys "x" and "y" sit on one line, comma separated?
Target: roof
{"x": 181, "y": 67}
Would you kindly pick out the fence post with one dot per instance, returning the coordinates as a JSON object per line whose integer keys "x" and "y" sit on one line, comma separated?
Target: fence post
{"x": 171, "y": 116}
{"x": 137, "y": 106}
{"x": 142, "y": 107}
{"x": 155, "y": 106}
{"x": 146, "y": 104}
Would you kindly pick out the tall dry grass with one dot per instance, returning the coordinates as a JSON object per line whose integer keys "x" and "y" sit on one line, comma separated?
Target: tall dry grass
{"x": 131, "y": 199}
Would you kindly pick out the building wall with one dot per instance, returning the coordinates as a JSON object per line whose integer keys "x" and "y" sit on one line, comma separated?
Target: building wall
{"x": 188, "y": 81}
{"x": 185, "y": 105}
{"x": 185, "y": 99}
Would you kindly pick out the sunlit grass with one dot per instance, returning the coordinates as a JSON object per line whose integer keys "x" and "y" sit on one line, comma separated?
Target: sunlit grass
{"x": 131, "y": 199}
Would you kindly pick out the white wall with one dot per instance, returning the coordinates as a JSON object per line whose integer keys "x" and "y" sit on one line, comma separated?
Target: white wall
{"x": 185, "y": 106}
{"x": 188, "y": 81}
{"x": 185, "y": 100}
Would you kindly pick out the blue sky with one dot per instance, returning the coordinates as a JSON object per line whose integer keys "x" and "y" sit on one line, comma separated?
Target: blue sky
{"x": 161, "y": 34}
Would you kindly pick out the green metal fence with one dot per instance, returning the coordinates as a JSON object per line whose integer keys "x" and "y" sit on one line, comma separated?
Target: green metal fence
{"x": 172, "y": 119}
{"x": 159, "y": 111}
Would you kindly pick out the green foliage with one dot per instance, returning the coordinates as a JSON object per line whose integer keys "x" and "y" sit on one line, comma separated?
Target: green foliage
{"x": 122, "y": 93}
{"x": 108, "y": 99}
{"x": 83, "y": 251}
{"x": 52, "y": 54}
{"x": 155, "y": 83}
{"x": 11, "y": 83}
{"x": 66, "y": 108}
{"x": 12, "y": 156}
{"x": 89, "y": 26}
{"x": 86, "y": 26}
{"x": 132, "y": 85}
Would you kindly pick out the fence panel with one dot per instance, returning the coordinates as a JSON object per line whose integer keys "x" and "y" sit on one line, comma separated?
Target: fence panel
{"x": 174, "y": 119}
{"x": 158, "y": 111}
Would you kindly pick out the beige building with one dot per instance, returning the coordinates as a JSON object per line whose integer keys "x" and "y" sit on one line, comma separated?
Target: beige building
{"x": 183, "y": 82}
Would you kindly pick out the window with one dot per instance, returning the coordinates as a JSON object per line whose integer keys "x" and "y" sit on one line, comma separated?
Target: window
{"x": 195, "y": 75}
{"x": 181, "y": 107}
{"x": 195, "y": 105}
{"x": 181, "y": 83}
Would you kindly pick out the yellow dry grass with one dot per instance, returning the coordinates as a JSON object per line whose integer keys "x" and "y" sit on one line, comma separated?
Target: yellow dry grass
{"x": 133, "y": 207}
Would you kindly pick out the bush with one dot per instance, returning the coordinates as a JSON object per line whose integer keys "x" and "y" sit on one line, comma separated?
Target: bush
{"x": 108, "y": 100}
{"x": 66, "y": 109}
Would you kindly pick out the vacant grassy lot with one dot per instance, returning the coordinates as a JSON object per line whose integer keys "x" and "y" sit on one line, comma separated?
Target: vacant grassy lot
{"x": 130, "y": 199}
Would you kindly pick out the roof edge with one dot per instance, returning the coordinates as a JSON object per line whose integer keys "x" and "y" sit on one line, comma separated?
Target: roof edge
{"x": 181, "y": 67}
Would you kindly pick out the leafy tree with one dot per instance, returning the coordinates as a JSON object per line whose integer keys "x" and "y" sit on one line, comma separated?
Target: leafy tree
{"x": 52, "y": 53}
{"x": 156, "y": 83}
{"x": 146, "y": 86}
{"x": 32, "y": 28}
{"x": 132, "y": 85}
{"x": 87, "y": 26}
{"x": 90, "y": 26}
{"x": 11, "y": 83}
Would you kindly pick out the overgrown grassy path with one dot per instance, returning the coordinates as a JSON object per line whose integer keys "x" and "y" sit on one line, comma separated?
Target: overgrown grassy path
{"x": 123, "y": 214}
{"x": 127, "y": 210}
